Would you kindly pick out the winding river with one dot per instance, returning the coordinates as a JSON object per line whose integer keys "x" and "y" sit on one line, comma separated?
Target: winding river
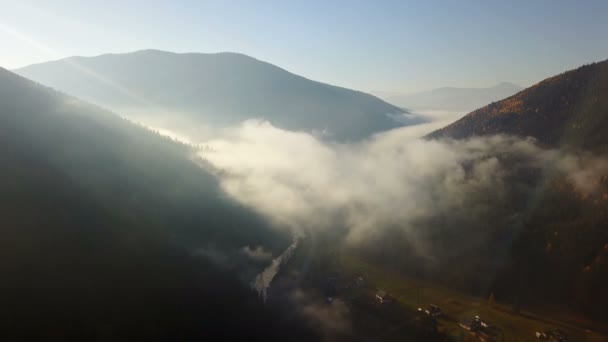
{"x": 261, "y": 283}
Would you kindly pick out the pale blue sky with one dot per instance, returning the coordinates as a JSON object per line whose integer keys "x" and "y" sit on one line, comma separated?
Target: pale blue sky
{"x": 368, "y": 45}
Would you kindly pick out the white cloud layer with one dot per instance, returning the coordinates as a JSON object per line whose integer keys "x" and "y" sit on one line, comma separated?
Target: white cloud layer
{"x": 393, "y": 179}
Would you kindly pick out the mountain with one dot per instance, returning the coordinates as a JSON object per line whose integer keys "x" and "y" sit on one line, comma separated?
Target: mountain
{"x": 218, "y": 89}
{"x": 121, "y": 164}
{"x": 567, "y": 110}
{"x": 102, "y": 224}
{"x": 453, "y": 99}
{"x": 554, "y": 233}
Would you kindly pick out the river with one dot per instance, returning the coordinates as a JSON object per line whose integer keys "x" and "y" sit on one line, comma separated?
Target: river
{"x": 261, "y": 283}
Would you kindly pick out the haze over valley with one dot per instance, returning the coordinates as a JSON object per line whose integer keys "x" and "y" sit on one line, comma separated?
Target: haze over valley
{"x": 149, "y": 193}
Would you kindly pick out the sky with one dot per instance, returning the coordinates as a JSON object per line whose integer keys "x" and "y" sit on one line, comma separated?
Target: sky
{"x": 394, "y": 46}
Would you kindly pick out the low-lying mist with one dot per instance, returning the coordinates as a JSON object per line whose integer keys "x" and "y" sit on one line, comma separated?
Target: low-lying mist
{"x": 394, "y": 179}
{"x": 476, "y": 215}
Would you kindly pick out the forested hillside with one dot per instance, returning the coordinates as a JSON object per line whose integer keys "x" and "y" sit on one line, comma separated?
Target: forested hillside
{"x": 568, "y": 110}
{"x": 545, "y": 240}
{"x": 100, "y": 219}
{"x": 543, "y": 243}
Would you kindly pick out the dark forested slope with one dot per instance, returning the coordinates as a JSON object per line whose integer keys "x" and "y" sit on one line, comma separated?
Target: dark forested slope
{"x": 94, "y": 213}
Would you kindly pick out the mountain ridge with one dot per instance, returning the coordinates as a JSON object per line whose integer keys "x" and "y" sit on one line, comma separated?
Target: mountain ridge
{"x": 220, "y": 89}
{"x": 568, "y": 110}
{"x": 450, "y": 98}
{"x": 159, "y": 51}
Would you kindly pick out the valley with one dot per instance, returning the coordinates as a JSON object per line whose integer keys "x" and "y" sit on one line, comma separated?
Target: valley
{"x": 303, "y": 171}
{"x": 341, "y": 275}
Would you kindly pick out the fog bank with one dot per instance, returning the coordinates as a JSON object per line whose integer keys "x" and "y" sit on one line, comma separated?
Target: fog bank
{"x": 393, "y": 179}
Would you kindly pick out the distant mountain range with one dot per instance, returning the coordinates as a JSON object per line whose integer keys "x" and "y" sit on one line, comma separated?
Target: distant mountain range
{"x": 568, "y": 110}
{"x": 452, "y": 99}
{"x": 218, "y": 89}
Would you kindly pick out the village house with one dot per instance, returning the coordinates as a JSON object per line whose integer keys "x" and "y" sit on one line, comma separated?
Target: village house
{"x": 382, "y": 297}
